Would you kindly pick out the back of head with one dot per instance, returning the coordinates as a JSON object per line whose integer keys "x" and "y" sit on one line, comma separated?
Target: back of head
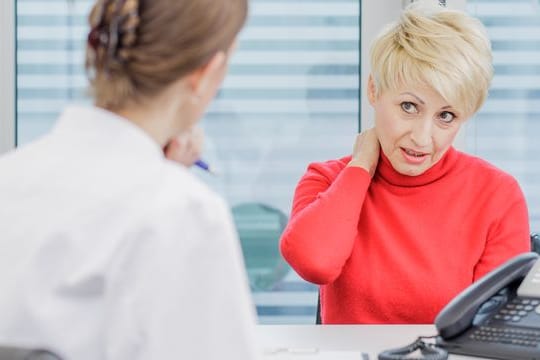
{"x": 446, "y": 50}
{"x": 136, "y": 48}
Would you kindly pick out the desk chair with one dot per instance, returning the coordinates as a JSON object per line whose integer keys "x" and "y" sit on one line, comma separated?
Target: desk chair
{"x": 318, "y": 320}
{"x": 535, "y": 247}
{"x": 18, "y": 353}
{"x": 535, "y": 242}
{"x": 259, "y": 228}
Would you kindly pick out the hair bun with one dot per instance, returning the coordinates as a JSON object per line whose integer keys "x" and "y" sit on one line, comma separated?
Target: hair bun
{"x": 137, "y": 48}
{"x": 114, "y": 31}
{"x": 129, "y": 21}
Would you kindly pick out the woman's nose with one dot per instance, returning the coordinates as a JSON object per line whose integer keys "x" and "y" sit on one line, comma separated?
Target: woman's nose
{"x": 421, "y": 132}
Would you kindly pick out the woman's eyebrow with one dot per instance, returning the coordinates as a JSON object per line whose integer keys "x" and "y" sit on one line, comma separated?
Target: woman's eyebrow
{"x": 416, "y": 97}
{"x": 422, "y": 101}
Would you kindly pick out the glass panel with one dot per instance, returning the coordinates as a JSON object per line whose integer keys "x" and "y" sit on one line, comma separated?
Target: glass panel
{"x": 50, "y": 56}
{"x": 504, "y": 131}
{"x": 291, "y": 97}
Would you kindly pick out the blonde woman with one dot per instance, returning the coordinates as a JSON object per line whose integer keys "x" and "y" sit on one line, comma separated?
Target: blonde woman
{"x": 109, "y": 249}
{"x": 396, "y": 230}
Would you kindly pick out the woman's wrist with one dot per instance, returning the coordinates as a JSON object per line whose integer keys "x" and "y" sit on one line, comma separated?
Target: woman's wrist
{"x": 362, "y": 164}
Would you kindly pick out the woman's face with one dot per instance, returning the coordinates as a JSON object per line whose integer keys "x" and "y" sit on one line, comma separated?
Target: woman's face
{"x": 415, "y": 127}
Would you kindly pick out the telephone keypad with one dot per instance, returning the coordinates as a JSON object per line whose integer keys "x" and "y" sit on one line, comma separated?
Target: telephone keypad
{"x": 517, "y": 309}
{"x": 521, "y": 337}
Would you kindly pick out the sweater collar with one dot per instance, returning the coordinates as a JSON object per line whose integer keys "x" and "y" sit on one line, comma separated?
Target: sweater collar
{"x": 386, "y": 172}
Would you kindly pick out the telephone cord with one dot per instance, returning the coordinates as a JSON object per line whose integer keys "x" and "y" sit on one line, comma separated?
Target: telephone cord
{"x": 429, "y": 351}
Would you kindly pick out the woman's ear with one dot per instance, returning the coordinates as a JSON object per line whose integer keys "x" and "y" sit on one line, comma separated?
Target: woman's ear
{"x": 208, "y": 77}
{"x": 371, "y": 90}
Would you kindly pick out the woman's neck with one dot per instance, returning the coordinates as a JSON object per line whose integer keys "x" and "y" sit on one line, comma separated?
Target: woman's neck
{"x": 159, "y": 116}
{"x": 443, "y": 166}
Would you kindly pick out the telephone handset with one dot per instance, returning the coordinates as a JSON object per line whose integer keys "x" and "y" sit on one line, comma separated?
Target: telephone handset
{"x": 497, "y": 316}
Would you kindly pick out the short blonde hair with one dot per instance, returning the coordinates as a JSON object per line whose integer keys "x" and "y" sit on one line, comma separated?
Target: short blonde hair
{"x": 444, "y": 49}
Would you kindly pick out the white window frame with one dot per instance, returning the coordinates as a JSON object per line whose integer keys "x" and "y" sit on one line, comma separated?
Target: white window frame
{"x": 7, "y": 75}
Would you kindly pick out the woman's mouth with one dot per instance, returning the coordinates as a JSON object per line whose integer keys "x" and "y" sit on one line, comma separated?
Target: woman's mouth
{"x": 413, "y": 156}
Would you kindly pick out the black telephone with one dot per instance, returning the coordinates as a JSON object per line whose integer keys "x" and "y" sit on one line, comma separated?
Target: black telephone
{"x": 497, "y": 316}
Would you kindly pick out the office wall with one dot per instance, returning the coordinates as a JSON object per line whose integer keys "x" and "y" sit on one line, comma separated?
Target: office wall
{"x": 374, "y": 15}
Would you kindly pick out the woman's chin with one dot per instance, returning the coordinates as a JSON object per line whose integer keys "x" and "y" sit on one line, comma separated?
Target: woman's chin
{"x": 409, "y": 170}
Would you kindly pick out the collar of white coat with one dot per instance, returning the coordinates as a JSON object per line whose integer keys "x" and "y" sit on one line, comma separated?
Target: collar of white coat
{"x": 91, "y": 126}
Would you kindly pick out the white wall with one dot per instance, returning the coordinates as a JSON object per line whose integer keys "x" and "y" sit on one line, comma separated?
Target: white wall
{"x": 375, "y": 14}
{"x": 7, "y": 75}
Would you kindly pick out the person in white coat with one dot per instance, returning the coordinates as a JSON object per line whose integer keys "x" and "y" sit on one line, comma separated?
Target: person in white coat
{"x": 110, "y": 249}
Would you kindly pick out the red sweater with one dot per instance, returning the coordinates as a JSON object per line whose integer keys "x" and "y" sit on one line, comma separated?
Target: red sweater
{"x": 396, "y": 248}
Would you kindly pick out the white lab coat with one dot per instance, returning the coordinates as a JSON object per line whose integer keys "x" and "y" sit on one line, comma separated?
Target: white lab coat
{"x": 110, "y": 251}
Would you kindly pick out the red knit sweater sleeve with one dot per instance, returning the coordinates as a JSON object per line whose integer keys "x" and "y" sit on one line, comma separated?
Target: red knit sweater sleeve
{"x": 510, "y": 234}
{"x": 324, "y": 221}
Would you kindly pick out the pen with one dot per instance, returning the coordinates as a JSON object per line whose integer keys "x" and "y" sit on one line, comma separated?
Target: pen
{"x": 203, "y": 165}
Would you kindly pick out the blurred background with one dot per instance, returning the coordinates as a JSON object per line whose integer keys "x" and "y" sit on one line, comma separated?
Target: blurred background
{"x": 294, "y": 95}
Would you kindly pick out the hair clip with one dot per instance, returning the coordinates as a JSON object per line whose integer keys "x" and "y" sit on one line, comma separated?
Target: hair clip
{"x": 97, "y": 37}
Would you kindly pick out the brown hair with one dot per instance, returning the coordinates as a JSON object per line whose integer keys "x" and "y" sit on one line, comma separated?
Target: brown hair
{"x": 136, "y": 48}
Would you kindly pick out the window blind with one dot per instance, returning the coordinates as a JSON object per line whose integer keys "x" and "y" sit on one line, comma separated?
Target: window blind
{"x": 506, "y": 129}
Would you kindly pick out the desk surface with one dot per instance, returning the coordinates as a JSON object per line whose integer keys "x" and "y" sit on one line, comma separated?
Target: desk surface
{"x": 339, "y": 341}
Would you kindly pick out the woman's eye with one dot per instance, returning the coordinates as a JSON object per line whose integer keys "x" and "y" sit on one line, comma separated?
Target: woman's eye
{"x": 447, "y": 117}
{"x": 408, "y": 107}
